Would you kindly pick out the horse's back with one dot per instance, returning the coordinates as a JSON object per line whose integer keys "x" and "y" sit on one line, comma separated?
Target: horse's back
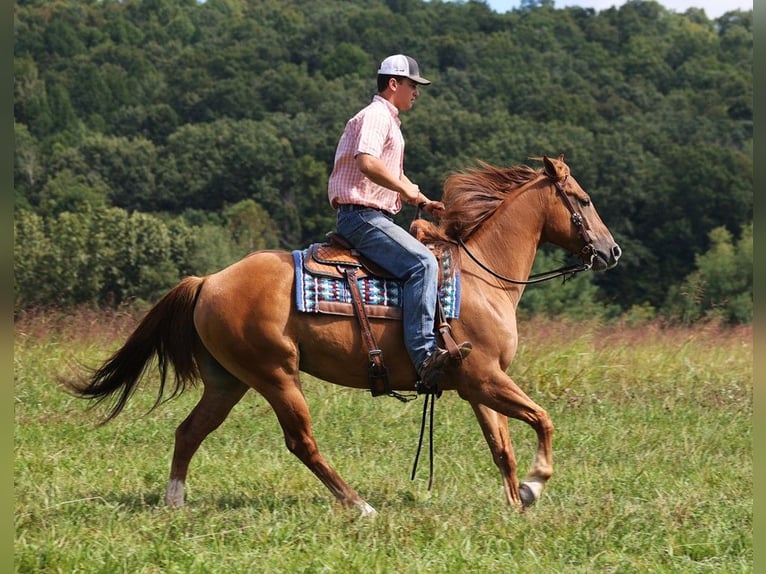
{"x": 248, "y": 310}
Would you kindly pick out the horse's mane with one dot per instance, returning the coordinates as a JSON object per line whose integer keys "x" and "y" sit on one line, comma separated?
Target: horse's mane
{"x": 470, "y": 198}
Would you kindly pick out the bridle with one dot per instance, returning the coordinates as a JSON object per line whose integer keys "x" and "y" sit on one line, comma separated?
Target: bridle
{"x": 588, "y": 252}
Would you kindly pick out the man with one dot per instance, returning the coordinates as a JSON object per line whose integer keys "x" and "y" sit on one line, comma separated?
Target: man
{"x": 367, "y": 187}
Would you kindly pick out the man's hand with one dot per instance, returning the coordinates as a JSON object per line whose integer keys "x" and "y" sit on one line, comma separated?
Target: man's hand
{"x": 409, "y": 191}
{"x": 434, "y": 208}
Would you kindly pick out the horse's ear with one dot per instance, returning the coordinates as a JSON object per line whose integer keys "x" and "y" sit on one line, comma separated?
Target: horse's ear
{"x": 549, "y": 167}
{"x": 555, "y": 169}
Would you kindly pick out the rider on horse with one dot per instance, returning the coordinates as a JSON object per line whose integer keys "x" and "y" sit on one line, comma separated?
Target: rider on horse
{"x": 367, "y": 186}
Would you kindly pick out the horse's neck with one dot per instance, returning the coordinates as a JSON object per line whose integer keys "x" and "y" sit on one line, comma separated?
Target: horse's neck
{"x": 508, "y": 242}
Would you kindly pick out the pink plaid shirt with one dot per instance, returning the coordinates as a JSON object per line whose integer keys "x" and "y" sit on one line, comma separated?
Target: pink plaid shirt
{"x": 375, "y": 131}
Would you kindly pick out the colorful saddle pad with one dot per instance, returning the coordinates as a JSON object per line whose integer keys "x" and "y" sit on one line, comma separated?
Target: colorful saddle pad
{"x": 382, "y": 298}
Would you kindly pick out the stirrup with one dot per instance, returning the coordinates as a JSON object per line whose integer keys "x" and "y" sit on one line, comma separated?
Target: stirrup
{"x": 434, "y": 366}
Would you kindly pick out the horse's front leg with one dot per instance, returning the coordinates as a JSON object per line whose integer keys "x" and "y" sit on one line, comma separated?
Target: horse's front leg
{"x": 500, "y": 393}
{"x": 495, "y": 429}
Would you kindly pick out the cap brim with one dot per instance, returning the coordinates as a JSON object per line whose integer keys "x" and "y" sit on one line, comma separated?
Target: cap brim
{"x": 419, "y": 80}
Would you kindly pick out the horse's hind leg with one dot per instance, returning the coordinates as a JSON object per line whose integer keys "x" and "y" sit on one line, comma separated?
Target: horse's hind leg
{"x": 495, "y": 429}
{"x": 291, "y": 409}
{"x": 222, "y": 391}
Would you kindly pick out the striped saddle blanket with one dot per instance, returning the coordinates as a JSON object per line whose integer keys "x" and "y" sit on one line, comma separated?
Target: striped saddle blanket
{"x": 320, "y": 288}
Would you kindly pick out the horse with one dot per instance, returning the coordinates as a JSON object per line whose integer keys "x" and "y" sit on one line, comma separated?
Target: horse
{"x": 238, "y": 329}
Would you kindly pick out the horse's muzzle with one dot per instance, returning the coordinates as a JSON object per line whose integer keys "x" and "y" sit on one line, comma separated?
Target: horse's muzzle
{"x": 607, "y": 258}
{"x": 614, "y": 256}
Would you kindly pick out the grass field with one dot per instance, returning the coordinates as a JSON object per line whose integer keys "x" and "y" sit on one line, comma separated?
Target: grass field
{"x": 652, "y": 453}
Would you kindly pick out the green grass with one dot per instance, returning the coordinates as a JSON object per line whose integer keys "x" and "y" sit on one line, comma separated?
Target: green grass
{"x": 652, "y": 453}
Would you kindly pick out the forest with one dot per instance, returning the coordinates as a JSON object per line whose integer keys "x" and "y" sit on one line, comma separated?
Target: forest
{"x": 160, "y": 138}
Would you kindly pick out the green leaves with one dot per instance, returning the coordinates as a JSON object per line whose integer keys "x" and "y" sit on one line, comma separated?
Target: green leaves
{"x": 108, "y": 256}
{"x": 161, "y": 106}
{"x": 722, "y": 284}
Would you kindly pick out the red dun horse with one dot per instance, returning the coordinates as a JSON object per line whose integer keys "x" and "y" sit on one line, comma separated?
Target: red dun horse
{"x": 238, "y": 329}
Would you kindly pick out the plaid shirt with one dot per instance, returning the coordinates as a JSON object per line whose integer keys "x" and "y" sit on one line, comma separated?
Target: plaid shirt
{"x": 375, "y": 131}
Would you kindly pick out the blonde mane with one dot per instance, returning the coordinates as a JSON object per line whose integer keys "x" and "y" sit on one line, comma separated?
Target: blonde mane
{"x": 471, "y": 197}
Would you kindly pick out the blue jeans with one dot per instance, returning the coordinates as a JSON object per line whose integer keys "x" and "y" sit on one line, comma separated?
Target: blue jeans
{"x": 375, "y": 235}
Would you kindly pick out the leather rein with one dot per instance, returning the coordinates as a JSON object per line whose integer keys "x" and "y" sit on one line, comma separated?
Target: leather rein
{"x": 567, "y": 272}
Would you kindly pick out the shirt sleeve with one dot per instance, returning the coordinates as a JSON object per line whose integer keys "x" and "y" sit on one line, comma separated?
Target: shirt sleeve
{"x": 373, "y": 132}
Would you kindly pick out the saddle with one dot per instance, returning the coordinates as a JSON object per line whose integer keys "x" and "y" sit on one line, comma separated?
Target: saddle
{"x": 336, "y": 258}
{"x": 332, "y": 258}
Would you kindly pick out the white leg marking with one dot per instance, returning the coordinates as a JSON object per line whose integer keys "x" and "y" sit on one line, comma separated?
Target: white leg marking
{"x": 174, "y": 494}
{"x": 365, "y": 509}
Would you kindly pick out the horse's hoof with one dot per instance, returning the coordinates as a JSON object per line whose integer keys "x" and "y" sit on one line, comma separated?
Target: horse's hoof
{"x": 529, "y": 492}
{"x": 366, "y": 510}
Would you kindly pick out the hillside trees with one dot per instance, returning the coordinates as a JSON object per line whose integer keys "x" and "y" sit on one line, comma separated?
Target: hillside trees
{"x": 92, "y": 254}
{"x": 178, "y": 110}
{"x": 721, "y": 286}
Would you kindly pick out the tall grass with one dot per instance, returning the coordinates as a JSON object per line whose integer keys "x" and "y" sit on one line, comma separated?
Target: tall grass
{"x": 652, "y": 452}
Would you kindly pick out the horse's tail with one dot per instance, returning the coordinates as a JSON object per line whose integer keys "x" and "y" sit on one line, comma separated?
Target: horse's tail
{"x": 166, "y": 331}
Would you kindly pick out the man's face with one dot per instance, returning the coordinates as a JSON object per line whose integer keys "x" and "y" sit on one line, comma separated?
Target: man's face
{"x": 405, "y": 94}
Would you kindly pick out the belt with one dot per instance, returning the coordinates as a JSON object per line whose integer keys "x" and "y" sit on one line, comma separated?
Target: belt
{"x": 355, "y": 207}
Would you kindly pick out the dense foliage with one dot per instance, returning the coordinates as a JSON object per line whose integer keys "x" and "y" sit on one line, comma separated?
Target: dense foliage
{"x": 156, "y": 138}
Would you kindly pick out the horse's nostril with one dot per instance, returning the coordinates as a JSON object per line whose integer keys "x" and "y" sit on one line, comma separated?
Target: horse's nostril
{"x": 616, "y": 251}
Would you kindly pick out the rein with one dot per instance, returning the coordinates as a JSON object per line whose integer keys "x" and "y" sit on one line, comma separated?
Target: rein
{"x": 432, "y": 399}
{"x": 566, "y": 272}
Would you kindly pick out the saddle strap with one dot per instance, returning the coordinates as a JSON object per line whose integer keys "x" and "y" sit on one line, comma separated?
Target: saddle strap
{"x": 378, "y": 373}
{"x": 446, "y": 332}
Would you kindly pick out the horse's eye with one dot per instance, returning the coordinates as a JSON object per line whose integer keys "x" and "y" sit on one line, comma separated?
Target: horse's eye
{"x": 584, "y": 201}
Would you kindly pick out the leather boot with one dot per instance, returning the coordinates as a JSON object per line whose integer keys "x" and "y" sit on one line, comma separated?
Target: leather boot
{"x": 433, "y": 366}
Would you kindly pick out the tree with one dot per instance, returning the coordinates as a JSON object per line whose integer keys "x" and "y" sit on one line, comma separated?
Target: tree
{"x": 180, "y": 109}
{"x": 250, "y": 227}
{"x": 30, "y": 98}
{"x": 72, "y": 193}
{"x": 722, "y": 284}
{"x": 127, "y": 165}
{"x": 31, "y": 253}
{"x": 228, "y": 161}
{"x": 27, "y": 165}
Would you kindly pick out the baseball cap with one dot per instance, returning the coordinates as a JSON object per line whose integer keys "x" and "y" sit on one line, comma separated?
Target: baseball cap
{"x": 401, "y": 65}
